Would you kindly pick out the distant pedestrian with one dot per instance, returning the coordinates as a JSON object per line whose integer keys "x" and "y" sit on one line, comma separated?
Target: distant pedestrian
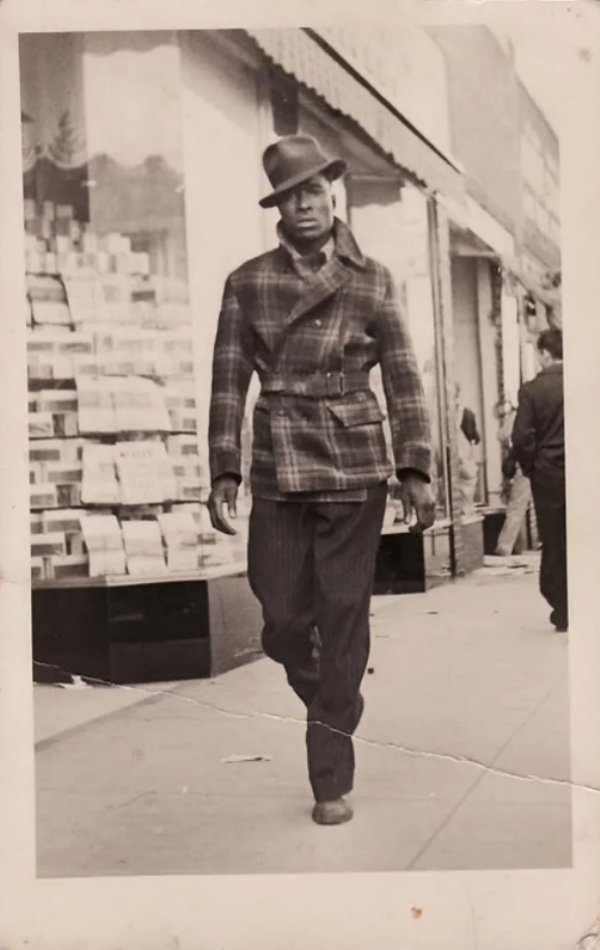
{"x": 468, "y": 439}
{"x": 518, "y": 489}
{"x": 539, "y": 445}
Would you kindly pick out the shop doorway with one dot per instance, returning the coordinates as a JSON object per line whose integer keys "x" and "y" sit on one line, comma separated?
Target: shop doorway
{"x": 469, "y": 394}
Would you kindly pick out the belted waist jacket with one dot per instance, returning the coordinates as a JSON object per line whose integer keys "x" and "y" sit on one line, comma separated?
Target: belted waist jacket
{"x": 317, "y": 426}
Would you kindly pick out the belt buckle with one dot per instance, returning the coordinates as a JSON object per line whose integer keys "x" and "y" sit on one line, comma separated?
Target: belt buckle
{"x": 339, "y": 389}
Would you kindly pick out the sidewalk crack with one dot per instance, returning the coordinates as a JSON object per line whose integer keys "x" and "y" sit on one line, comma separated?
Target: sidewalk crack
{"x": 412, "y": 752}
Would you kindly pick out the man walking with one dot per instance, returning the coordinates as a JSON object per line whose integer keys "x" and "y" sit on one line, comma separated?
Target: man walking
{"x": 518, "y": 491}
{"x": 539, "y": 446}
{"x": 311, "y": 318}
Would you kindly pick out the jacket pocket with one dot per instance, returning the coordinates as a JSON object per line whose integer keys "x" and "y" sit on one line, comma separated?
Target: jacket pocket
{"x": 356, "y": 413}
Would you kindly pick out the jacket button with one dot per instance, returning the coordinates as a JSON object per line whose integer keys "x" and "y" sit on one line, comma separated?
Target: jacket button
{"x": 317, "y": 323}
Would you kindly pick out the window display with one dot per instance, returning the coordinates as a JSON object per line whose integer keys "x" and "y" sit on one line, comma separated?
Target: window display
{"x": 118, "y": 468}
{"x": 118, "y": 479}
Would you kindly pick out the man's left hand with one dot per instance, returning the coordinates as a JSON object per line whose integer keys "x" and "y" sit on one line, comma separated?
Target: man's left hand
{"x": 417, "y": 497}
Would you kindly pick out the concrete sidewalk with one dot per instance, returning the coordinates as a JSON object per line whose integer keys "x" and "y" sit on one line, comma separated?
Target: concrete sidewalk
{"x": 468, "y": 697}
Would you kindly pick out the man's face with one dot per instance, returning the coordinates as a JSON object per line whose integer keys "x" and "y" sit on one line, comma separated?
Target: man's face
{"x": 544, "y": 358}
{"x": 307, "y": 211}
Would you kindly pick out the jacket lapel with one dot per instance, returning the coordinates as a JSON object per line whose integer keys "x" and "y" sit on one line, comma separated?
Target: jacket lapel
{"x": 276, "y": 290}
{"x": 331, "y": 277}
{"x": 325, "y": 283}
{"x": 285, "y": 297}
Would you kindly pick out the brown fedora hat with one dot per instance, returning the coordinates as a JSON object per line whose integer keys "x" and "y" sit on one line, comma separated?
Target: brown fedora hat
{"x": 293, "y": 160}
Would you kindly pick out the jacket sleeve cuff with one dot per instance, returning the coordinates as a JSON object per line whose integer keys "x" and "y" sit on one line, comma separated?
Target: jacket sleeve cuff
{"x": 233, "y": 475}
{"x": 402, "y": 473}
{"x": 415, "y": 459}
{"x": 225, "y": 463}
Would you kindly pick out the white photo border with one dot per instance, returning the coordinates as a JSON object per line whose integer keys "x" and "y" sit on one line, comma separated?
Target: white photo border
{"x": 491, "y": 910}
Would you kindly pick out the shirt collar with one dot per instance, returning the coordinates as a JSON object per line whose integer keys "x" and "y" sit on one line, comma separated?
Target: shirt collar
{"x": 342, "y": 243}
{"x": 328, "y": 249}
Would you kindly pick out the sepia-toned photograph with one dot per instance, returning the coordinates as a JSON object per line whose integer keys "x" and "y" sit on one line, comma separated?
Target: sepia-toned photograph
{"x": 296, "y": 450}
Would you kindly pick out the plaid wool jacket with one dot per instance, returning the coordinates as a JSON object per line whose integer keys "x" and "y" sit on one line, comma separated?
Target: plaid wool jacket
{"x": 317, "y": 427}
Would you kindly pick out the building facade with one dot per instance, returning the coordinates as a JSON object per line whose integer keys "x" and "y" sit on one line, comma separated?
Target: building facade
{"x": 137, "y": 206}
{"x": 505, "y": 257}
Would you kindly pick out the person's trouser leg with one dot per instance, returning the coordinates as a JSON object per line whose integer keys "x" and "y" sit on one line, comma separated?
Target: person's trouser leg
{"x": 519, "y": 498}
{"x": 346, "y": 541}
{"x": 280, "y": 574}
{"x": 550, "y": 510}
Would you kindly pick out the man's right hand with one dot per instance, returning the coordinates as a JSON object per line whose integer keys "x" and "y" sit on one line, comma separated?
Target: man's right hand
{"x": 223, "y": 492}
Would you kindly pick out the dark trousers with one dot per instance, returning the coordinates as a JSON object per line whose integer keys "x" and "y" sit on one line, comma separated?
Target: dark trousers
{"x": 311, "y": 566}
{"x": 550, "y": 511}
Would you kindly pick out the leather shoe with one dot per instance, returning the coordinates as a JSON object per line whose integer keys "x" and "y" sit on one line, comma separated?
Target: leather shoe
{"x": 332, "y": 813}
{"x": 559, "y": 622}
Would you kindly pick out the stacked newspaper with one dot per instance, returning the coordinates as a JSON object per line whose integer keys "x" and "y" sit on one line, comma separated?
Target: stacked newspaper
{"x": 104, "y": 542}
{"x": 47, "y": 300}
{"x": 145, "y": 472}
{"x": 85, "y": 297}
{"x": 180, "y": 535}
{"x": 96, "y": 404}
{"x": 99, "y": 485}
{"x": 143, "y": 547}
{"x": 139, "y": 405}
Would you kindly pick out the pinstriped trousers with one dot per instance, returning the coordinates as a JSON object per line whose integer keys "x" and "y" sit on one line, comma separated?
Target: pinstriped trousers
{"x": 311, "y": 566}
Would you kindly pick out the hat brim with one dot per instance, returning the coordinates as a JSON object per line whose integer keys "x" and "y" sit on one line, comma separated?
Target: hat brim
{"x": 336, "y": 168}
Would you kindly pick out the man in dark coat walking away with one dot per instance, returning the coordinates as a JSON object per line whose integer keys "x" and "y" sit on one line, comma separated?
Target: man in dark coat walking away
{"x": 312, "y": 317}
{"x": 539, "y": 446}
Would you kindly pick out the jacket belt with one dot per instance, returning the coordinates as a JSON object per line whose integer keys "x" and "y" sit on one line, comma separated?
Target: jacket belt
{"x": 315, "y": 386}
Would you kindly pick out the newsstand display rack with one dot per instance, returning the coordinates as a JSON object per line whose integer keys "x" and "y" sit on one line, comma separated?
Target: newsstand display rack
{"x": 129, "y": 580}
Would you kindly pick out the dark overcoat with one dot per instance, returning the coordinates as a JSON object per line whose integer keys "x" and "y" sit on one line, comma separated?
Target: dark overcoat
{"x": 538, "y": 435}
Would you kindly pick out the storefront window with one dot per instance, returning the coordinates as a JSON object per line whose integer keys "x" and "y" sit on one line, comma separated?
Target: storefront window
{"x": 136, "y": 178}
{"x": 117, "y": 478}
{"x": 391, "y": 224}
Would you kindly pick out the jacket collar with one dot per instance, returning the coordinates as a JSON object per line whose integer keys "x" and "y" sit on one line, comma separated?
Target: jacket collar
{"x": 343, "y": 244}
{"x": 553, "y": 368}
{"x": 327, "y": 251}
{"x": 346, "y": 246}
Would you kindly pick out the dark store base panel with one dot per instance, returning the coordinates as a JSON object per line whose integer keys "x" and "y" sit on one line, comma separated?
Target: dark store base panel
{"x": 147, "y": 662}
{"x": 144, "y": 632}
{"x": 492, "y": 526}
{"x": 412, "y": 563}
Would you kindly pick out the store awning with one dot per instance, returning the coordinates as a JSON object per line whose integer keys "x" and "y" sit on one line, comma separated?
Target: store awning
{"x": 489, "y": 237}
{"x": 301, "y": 57}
